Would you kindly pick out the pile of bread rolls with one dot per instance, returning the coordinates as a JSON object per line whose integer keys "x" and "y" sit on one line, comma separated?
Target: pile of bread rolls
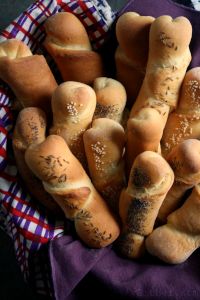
{"x": 120, "y": 157}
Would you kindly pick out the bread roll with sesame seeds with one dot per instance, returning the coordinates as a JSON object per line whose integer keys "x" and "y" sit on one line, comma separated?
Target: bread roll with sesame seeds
{"x": 132, "y": 32}
{"x": 65, "y": 179}
{"x": 70, "y": 47}
{"x": 30, "y": 129}
{"x": 104, "y": 146}
{"x": 73, "y": 106}
{"x": 29, "y": 76}
{"x": 111, "y": 99}
{"x": 169, "y": 57}
{"x": 185, "y": 162}
{"x": 184, "y": 122}
{"x": 175, "y": 241}
{"x": 150, "y": 179}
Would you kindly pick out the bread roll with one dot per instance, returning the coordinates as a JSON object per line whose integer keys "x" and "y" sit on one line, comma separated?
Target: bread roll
{"x": 68, "y": 43}
{"x": 73, "y": 106}
{"x": 30, "y": 129}
{"x": 65, "y": 179}
{"x": 185, "y": 162}
{"x": 184, "y": 122}
{"x": 104, "y": 146}
{"x": 29, "y": 76}
{"x": 175, "y": 241}
{"x": 169, "y": 57}
{"x": 111, "y": 99}
{"x": 132, "y": 32}
{"x": 150, "y": 179}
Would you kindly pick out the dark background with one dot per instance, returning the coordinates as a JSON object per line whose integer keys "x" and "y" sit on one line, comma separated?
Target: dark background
{"x": 12, "y": 285}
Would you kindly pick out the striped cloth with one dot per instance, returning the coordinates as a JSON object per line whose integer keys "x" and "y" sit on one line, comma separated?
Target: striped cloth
{"x": 26, "y": 223}
{"x": 28, "y": 226}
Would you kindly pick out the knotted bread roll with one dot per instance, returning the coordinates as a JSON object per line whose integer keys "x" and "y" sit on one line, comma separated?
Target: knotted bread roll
{"x": 30, "y": 128}
{"x": 29, "y": 76}
{"x": 104, "y": 146}
{"x": 150, "y": 179}
{"x": 68, "y": 43}
{"x": 175, "y": 241}
{"x": 169, "y": 57}
{"x": 184, "y": 159}
{"x": 73, "y": 106}
{"x": 132, "y": 32}
{"x": 66, "y": 181}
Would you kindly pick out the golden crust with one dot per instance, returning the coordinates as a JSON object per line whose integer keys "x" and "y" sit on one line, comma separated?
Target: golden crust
{"x": 68, "y": 43}
{"x": 132, "y": 32}
{"x": 30, "y": 129}
{"x": 65, "y": 179}
{"x": 150, "y": 179}
{"x": 104, "y": 146}
{"x": 73, "y": 106}
{"x": 179, "y": 238}
{"x": 111, "y": 98}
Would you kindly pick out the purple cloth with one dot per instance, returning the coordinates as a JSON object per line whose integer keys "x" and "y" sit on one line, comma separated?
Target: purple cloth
{"x": 82, "y": 273}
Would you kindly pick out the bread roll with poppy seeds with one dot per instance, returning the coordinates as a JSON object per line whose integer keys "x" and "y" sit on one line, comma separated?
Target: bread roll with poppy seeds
{"x": 111, "y": 99}
{"x": 150, "y": 179}
{"x": 65, "y": 179}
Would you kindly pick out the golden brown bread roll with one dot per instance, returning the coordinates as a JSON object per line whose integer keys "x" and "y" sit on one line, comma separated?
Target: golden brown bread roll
{"x": 169, "y": 57}
{"x": 30, "y": 129}
{"x": 73, "y": 104}
{"x": 68, "y": 43}
{"x": 175, "y": 241}
{"x": 65, "y": 179}
{"x": 29, "y": 76}
{"x": 132, "y": 32}
{"x": 150, "y": 179}
{"x": 184, "y": 122}
{"x": 111, "y": 98}
{"x": 104, "y": 146}
{"x": 184, "y": 159}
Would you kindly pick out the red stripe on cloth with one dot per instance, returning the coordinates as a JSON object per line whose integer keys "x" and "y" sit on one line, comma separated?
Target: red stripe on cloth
{"x": 43, "y": 8}
{"x": 8, "y": 177}
{"x": 18, "y": 213}
{"x": 90, "y": 15}
{"x": 4, "y": 131}
{"x": 33, "y": 237}
{"x": 26, "y": 33}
